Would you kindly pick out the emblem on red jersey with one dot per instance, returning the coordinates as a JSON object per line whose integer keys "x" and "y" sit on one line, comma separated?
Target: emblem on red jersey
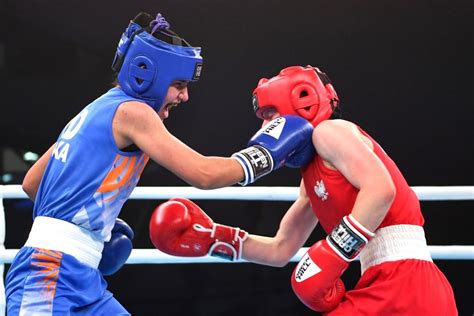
{"x": 320, "y": 190}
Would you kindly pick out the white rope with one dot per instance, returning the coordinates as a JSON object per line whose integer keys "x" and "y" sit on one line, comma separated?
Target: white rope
{"x": 153, "y": 256}
{"x": 254, "y": 193}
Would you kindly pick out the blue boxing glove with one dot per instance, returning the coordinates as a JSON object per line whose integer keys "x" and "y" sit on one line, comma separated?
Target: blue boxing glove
{"x": 302, "y": 156}
{"x": 286, "y": 140}
{"x": 117, "y": 249}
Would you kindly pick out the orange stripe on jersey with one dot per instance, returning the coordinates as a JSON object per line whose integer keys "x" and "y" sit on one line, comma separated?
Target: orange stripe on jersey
{"x": 145, "y": 161}
{"x": 123, "y": 174}
{"x": 112, "y": 182}
{"x": 137, "y": 171}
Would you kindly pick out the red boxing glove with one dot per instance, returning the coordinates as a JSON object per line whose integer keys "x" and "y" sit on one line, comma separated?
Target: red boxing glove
{"x": 181, "y": 228}
{"x": 316, "y": 279}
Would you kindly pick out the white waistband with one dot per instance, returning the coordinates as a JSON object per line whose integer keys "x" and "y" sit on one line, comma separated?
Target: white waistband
{"x": 394, "y": 243}
{"x": 55, "y": 234}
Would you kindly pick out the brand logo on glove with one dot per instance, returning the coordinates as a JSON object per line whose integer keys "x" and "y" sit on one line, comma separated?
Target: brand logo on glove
{"x": 197, "y": 247}
{"x": 306, "y": 268}
{"x": 274, "y": 128}
{"x": 260, "y": 160}
{"x": 346, "y": 241}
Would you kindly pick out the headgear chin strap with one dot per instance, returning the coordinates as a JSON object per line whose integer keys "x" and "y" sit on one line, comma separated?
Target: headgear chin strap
{"x": 302, "y": 91}
{"x": 147, "y": 66}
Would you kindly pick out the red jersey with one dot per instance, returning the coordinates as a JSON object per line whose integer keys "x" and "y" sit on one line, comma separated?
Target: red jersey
{"x": 333, "y": 197}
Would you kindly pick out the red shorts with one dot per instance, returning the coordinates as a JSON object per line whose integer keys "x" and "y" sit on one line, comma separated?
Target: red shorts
{"x": 404, "y": 287}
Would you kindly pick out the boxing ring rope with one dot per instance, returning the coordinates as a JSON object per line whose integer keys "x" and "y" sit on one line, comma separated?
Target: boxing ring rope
{"x": 424, "y": 193}
{"x": 153, "y": 256}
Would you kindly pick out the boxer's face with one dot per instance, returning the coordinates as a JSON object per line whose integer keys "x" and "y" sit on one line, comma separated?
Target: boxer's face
{"x": 177, "y": 93}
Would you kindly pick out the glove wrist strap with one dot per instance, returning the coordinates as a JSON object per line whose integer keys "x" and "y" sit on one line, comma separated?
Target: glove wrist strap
{"x": 348, "y": 238}
{"x": 256, "y": 162}
{"x": 228, "y": 242}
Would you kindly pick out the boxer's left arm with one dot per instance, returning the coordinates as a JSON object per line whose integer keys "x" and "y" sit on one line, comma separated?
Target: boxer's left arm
{"x": 343, "y": 147}
{"x": 32, "y": 179}
{"x": 279, "y": 249}
{"x": 316, "y": 279}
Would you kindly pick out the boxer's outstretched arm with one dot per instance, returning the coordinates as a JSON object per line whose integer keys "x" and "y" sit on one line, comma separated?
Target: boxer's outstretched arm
{"x": 137, "y": 123}
{"x": 179, "y": 227}
{"x": 295, "y": 228}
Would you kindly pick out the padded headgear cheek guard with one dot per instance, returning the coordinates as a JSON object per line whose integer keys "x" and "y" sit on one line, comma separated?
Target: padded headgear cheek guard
{"x": 296, "y": 90}
{"x": 147, "y": 66}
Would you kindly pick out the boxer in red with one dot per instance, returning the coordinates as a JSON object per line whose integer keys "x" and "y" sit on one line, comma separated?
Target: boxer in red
{"x": 357, "y": 193}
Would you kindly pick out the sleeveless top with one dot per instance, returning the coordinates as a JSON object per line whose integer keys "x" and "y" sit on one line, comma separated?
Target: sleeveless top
{"x": 88, "y": 178}
{"x": 332, "y": 196}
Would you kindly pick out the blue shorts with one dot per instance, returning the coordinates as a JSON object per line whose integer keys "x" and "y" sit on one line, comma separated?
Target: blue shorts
{"x": 47, "y": 282}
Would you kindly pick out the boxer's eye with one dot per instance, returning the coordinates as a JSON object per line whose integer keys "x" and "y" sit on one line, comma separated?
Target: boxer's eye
{"x": 269, "y": 113}
{"x": 180, "y": 84}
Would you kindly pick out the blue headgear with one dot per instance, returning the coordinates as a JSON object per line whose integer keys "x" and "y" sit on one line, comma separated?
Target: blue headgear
{"x": 147, "y": 66}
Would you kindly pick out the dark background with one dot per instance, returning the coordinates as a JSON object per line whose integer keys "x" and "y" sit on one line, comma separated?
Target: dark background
{"x": 403, "y": 70}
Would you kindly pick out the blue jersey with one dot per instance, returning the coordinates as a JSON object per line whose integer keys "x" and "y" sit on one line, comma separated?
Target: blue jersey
{"x": 88, "y": 178}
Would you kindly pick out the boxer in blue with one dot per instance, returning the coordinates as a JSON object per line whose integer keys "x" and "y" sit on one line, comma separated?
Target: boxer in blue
{"x": 81, "y": 183}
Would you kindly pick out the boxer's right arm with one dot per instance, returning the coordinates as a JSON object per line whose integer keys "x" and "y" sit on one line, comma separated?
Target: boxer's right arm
{"x": 173, "y": 230}
{"x": 32, "y": 179}
{"x": 137, "y": 123}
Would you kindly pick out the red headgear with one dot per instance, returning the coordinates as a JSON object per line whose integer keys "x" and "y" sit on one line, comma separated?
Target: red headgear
{"x": 303, "y": 91}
